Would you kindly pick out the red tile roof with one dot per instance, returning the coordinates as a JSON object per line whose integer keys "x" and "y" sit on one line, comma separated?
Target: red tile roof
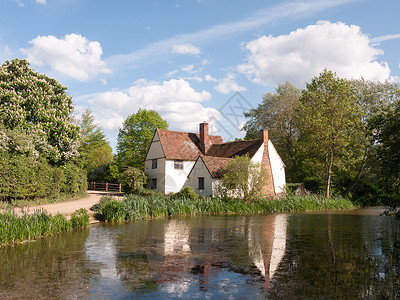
{"x": 215, "y": 164}
{"x": 236, "y": 148}
{"x": 182, "y": 145}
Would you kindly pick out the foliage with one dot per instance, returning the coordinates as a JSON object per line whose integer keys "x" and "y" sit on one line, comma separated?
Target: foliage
{"x": 242, "y": 178}
{"x": 80, "y": 218}
{"x": 38, "y": 106}
{"x": 14, "y": 228}
{"x": 94, "y": 149}
{"x": 99, "y": 206}
{"x": 132, "y": 179}
{"x": 386, "y": 127}
{"x": 330, "y": 127}
{"x": 114, "y": 210}
{"x": 26, "y": 177}
{"x": 155, "y": 206}
{"x": 277, "y": 112}
{"x": 185, "y": 193}
{"x": 135, "y": 136}
{"x": 38, "y": 140}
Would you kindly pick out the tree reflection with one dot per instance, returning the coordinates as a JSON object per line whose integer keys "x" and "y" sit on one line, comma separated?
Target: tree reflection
{"x": 326, "y": 259}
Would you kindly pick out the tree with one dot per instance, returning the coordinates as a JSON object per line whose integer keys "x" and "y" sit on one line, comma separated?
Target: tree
{"x": 386, "y": 127}
{"x": 94, "y": 149}
{"x": 330, "y": 127}
{"x": 38, "y": 106}
{"x": 135, "y": 136}
{"x": 242, "y": 178}
{"x": 374, "y": 98}
{"x": 277, "y": 113}
{"x": 132, "y": 179}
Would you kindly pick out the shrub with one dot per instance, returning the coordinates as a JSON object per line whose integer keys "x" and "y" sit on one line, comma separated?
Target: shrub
{"x": 80, "y": 218}
{"x": 98, "y": 207}
{"x": 132, "y": 179}
{"x": 185, "y": 193}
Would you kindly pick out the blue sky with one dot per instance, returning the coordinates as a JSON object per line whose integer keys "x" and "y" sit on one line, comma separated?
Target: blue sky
{"x": 196, "y": 60}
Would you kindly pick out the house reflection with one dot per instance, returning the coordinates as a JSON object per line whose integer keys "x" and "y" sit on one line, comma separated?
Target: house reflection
{"x": 196, "y": 256}
{"x": 268, "y": 249}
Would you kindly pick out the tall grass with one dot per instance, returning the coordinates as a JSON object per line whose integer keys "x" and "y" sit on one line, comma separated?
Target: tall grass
{"x": 15, "y": 228}
{"x": 155, "y": 206}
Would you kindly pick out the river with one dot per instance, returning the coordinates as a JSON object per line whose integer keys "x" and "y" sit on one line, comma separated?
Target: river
{"x": 346, "y": 255}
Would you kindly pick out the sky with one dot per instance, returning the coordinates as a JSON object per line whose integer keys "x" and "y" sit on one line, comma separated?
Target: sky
{"x": 196, "y": 60}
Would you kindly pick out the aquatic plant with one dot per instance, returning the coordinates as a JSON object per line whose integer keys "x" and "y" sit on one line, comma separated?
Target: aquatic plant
{"x": 16, "y": 228}
{"x": 155, "y": 206}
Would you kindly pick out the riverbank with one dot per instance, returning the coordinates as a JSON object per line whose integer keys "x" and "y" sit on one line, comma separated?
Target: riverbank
{"x": 67, "y": 207}
{"x": 16, "y": 228}
{"x": 155, "y": 206}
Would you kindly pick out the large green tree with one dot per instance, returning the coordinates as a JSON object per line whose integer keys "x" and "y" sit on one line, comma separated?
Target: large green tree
{"x": 94, "y": 149}
{"x": 373, "y": 98}
{"x": 135, "y": 136}
{"x": 277, "y": 113}
{"x": 38, "y": 106}
{"x": 330, "y": 126}
{"x": 386, "y": 128}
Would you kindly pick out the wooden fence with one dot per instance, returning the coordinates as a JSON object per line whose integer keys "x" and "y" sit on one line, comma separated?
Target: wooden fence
{"x": 104, "y": 186}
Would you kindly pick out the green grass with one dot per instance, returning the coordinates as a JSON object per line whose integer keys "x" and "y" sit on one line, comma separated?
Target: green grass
{"x": 14, "y": 228}
{"x": 155, "y": 206}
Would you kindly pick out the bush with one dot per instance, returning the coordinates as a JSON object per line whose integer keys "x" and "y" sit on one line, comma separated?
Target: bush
{"x": 132, "y": 179}
{"x": 185, "y": 193}
{"x": 99, "y": 206}
{"x": 80, "y": 218}
{"x": 26, "y": 178}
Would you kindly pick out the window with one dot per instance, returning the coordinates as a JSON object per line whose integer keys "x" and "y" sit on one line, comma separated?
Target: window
{"x": 153, "y": 184}
{"x": 154, "y": 163}
{"x": 201, "y": 183}
{"x": 178, "y": 164}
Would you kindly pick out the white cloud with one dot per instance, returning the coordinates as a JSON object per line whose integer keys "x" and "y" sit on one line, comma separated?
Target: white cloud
{"x": 387, "y": 37}
{"x": 73, "y": 55}
{"x": 44, "y": 2}
{"x": 188, "y": 68}
{"x": 229, "y": 84}
{"x": 304, "y": 53}
{"x": 172, "y": 73}
{"x": 210, "y": 78}
{"x": 185, "y": 49}
{"x": 205, "y": 62}
{"x": 258, "y": 19}
{"x": 175, "y": 100}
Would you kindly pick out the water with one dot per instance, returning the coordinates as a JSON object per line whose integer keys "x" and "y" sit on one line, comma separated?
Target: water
{"x": 347, "y": 255}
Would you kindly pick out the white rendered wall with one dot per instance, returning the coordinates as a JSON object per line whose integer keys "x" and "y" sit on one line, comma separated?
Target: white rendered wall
{"x": 278, "y": 169}
{"x": 257, "y": 158}
{"x": 200, "y": 170}
{"x": 175, "y": 179}
{"x": 158, "y": 173}
{"x": 156, "y": 152}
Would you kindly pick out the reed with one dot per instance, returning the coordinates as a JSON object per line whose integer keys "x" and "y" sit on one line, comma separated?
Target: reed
{"x": 155, "y": 206}
{"x": 17, "y": 228}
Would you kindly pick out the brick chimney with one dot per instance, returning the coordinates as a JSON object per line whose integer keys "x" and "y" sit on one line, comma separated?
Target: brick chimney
{"x": 205, "y": 143}
{"x": 268, "y": 188}
{"x": 264, "y": 135}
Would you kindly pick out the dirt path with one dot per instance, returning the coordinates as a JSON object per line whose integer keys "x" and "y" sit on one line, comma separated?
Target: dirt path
{"x": 68, "y": 207}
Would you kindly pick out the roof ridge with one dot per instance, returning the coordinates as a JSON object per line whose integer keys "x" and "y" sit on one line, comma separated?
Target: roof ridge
{"x": 183, "y": 132}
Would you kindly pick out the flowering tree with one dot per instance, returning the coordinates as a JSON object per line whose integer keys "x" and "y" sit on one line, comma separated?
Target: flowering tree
{"x": 39, "y": 107}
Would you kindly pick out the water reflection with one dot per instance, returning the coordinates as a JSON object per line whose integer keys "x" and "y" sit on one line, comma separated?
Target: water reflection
{"x": 274, "y": 256}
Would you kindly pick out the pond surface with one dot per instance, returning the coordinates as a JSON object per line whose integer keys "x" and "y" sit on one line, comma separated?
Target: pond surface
{"x": 344, "y": 255}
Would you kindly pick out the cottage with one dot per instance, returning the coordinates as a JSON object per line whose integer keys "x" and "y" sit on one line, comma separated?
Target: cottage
{"x": 177, "y": 159}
